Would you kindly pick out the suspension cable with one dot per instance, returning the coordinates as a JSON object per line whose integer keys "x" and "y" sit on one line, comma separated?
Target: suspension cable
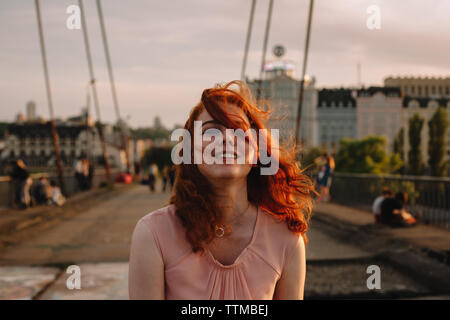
{"x": 111, "y": 80}
{"x": 247, "y": 41}
{"x": 266, "y": 39}
{"x": 302, "y": 80}
{"x": 49, "y": 99}
{"x": 94, "y": 91}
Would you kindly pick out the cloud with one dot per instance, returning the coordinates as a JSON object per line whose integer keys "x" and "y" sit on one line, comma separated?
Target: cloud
{"x": 164, "y": 53}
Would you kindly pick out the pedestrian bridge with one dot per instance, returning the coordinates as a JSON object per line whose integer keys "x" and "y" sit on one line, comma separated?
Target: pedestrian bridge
{"x": 93, "y": 230}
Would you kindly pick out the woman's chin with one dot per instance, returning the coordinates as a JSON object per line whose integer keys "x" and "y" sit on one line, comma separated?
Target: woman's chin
{"x": 225, "y": 171}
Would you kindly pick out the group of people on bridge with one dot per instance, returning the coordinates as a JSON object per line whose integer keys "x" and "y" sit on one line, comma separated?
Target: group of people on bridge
{"x": 167, "y": 175}
{"x": 389, "y": 209}
{"x": 25, "y": 193}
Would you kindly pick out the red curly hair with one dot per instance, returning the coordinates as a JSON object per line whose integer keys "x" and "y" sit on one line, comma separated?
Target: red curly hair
{"x": 286, "y": 194}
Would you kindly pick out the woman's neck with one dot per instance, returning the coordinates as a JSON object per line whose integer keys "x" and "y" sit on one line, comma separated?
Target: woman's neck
{"x": 231, "y": 197}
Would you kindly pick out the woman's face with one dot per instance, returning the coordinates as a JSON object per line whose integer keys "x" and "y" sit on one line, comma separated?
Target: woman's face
{"x": 224, "y": 170}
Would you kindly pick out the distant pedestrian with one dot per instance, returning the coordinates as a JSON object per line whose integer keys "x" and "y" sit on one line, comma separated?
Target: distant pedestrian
{"x": 172, "y": 171}
{"x": 165, "y": 177}
{"x": 23, "y": 183}
{"x": 85, "y": 178}
{"x": 137, "y": 170}
{"x": 152, "y": 174}
{"x": 322, "y": 178}
{"x": 376, "y": 206}
{"x": 332, "y": 165}
{"x": 79, "y": 173}
{"x": 90, "y": 174}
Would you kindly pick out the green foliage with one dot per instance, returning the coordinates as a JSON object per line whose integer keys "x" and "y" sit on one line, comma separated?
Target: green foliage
{"x": 395, "y": 163}
{"x": 151, "y": 133}
{"x": 366, "y": 155}
{"x": 415, "y": 165}
{"x": 3, "y": 128}
{"x": 437, "y": 145}
{"x": 399, "y": 144}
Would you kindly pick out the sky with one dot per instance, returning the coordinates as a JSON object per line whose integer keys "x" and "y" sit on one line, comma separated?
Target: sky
{"x": 165, "y": 53}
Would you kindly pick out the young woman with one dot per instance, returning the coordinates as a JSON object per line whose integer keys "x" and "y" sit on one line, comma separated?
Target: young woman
{"x": 229, "y": 232}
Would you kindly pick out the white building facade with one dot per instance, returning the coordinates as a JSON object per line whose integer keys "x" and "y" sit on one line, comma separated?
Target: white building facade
{"x": 336, "y": 112}
{"x": 379, "y": 112}
{"x": 33, "y": 143}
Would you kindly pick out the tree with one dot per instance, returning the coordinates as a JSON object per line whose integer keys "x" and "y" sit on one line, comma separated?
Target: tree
{"x": 436, "y": 144}
{"x": 151, "y": 133}
{"x": 3, "y": 129}
{"x": 399, "y": 148}
{"x": 399, "y": 144}
{"x": 367, "y": 155}
{"x": 415, "y": 165}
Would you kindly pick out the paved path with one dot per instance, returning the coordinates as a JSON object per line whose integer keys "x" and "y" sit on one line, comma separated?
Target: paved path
{"x": 101, "y": 233}
{"x": 422, "y": 236}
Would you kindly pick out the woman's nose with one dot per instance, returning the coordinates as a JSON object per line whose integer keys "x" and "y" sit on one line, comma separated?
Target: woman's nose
{"x": 229, "y": 138}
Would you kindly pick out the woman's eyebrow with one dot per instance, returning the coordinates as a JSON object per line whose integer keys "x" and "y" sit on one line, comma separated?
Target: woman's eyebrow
{"x": 210, "y": 121}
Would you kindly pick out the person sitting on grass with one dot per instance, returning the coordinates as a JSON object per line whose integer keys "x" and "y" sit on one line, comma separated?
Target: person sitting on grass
{"x": 393, "y": 211}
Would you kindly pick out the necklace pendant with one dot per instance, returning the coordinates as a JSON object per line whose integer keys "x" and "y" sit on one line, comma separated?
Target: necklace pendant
{"x": 220, "y": 231}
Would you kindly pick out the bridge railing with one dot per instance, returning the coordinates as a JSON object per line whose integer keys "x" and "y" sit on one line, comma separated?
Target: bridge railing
{"x": 70, "y": 184}
{"x": 428, "y": 197}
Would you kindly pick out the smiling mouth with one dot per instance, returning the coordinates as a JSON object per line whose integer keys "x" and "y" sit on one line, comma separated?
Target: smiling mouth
{"x": 226, "y": 155}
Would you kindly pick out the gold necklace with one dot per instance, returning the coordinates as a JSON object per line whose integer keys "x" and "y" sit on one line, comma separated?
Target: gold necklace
{"x": 225, "y": 229}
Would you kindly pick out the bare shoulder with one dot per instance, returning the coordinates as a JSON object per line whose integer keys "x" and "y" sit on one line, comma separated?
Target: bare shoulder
{"x": 277, "y": 227}
{"x": 165, "y": 213}
{"x": 145, "y": 234}
{"x": 288, "y": 245}
{"x": 146, "y": 231}
{"x": 146, "y": 267}
{"x": 291, "y": 284}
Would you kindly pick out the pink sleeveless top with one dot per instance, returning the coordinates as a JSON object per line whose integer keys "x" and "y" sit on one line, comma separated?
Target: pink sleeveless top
{"x": 253, "y": 275}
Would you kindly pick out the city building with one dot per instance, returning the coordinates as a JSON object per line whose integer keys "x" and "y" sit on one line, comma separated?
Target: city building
{"x": 32, "y": 141}
{"x": 31, "y": 111}
{"x": 425, "y": 108}
{"x": 421, "y": 87}
{"x": 281, "y": 91}
{"x": 379, "y": 112}
{"x": 336, "y": 115}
